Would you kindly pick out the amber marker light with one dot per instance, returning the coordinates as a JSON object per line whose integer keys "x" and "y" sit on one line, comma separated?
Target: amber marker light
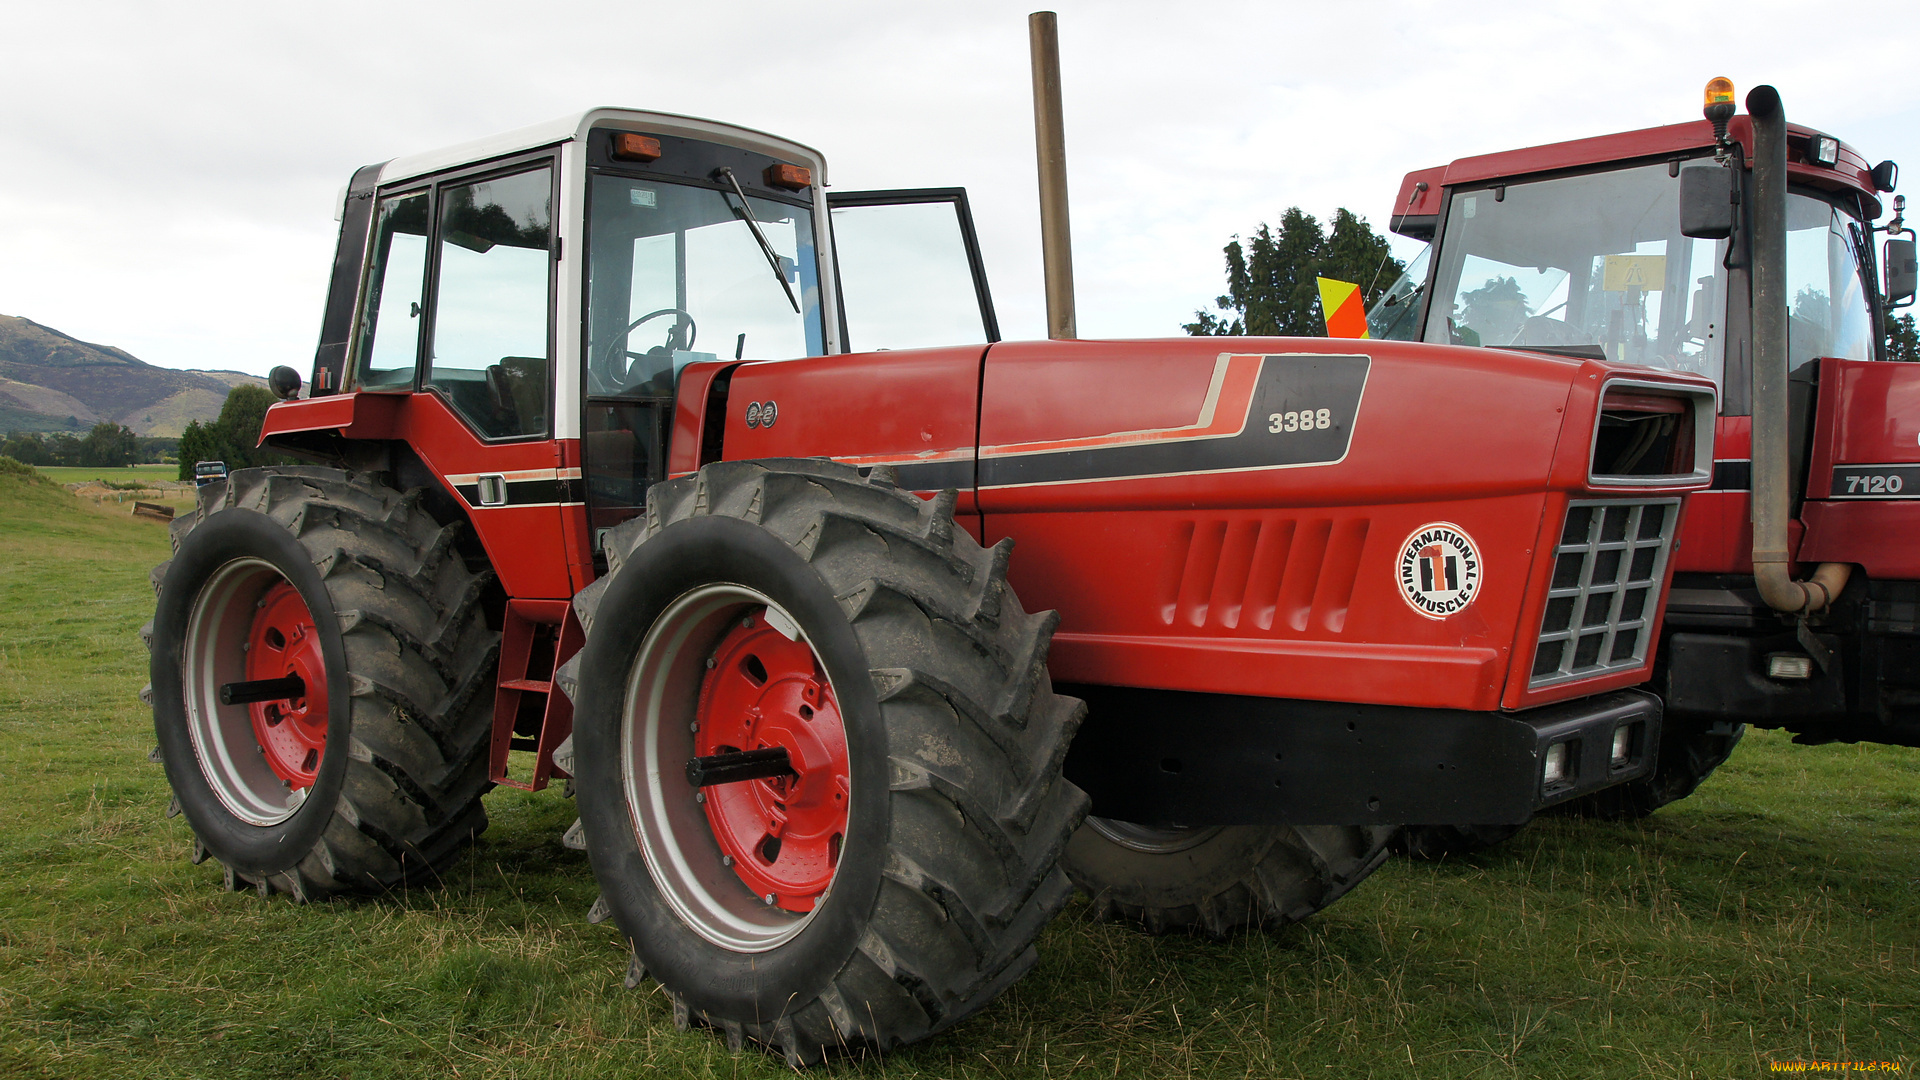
{"x": 1719, "y": 91}
{"x": 791, "y": 177}
{"x": 628, "y": 146}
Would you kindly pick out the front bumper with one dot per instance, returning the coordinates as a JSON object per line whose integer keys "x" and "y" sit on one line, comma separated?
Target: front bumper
{"x": 1161, "y": 757}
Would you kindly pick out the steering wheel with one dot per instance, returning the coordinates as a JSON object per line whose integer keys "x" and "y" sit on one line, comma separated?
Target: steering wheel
{"x": 658, "y": 352}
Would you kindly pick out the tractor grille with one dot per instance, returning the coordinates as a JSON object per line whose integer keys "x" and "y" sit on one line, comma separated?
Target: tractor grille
{"x": 1604, "y": 595}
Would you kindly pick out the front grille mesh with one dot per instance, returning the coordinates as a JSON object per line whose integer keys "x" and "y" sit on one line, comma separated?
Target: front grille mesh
{"x": 1605, "y": 590}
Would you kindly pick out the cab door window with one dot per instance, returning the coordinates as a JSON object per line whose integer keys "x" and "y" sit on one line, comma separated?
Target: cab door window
{"x": 492, "y": 324}
{"x": 390, "y": 311}
{"x": 910, "y": 270}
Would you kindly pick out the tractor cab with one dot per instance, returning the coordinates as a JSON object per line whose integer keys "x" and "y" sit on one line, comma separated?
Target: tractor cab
{"x": 1577, "y": 248}
{"x": 540, "y": 295}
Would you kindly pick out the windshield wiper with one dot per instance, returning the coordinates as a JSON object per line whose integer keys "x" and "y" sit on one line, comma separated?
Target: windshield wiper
{"x": 746, "y": 214}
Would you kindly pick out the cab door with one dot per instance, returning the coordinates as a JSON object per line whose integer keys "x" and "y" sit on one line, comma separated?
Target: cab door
{"x": 908, "y": 263}
{"x": 458, "y": 314}
{"x": 913, "y": 300}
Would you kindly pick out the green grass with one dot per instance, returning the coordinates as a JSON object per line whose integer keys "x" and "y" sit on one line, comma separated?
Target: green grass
{"x": 1773, "y": 916}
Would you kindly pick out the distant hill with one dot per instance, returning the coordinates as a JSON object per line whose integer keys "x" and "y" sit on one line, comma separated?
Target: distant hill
{"x": 52, "y": 382}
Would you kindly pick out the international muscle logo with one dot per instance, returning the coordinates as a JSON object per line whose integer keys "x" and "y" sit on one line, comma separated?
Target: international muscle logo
{"x": 1439, "y": 570}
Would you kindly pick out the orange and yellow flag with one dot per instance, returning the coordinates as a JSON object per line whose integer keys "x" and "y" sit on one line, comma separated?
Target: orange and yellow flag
{"x": 1340, "y": 303}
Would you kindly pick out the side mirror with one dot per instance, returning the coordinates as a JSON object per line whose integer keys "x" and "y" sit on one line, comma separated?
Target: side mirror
{"x": 1903, "y": 272}
{"x": 1706, "y": 202}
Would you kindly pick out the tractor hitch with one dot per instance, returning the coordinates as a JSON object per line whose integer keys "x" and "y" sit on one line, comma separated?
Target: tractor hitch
{"x": 246, "y": 693}
{"x": 739, "y": 765}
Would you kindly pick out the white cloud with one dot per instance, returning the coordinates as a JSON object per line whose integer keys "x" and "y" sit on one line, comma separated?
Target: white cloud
{"x": 170, "y": 169}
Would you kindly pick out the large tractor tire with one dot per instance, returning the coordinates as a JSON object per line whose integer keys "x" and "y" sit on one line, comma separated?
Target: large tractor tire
{"x": 1451, "y": 841}
{"x": 1214, "y": 881}
{"x": 368, "y": 774}
{"x": 1689, "y": 752}
{"x": 895, "y": 879}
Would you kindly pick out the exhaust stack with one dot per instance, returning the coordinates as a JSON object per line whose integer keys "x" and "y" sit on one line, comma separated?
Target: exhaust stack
{"x": 1050, "y": 145}
{"x": 1769, "y": 268}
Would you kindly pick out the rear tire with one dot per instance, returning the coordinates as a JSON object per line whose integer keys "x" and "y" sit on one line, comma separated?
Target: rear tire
{"x": 385, "y": 788}
{"x": 1446, "y": 841}
{"x": 949, "y": 747}
{"x": 1216, "y": 880}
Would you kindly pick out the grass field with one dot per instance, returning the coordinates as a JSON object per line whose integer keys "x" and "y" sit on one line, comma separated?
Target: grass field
{"x": 1771, "y": 918}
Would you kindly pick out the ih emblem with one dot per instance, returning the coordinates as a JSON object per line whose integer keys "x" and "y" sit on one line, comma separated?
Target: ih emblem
{"x": 1439, "y": 570}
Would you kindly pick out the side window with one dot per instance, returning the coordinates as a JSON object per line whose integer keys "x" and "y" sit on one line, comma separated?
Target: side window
{"x": 910, "y": 272}
{"x": 1827, "y": 302}
{"x": 389, "y": 344}
{"x": 492, "y": 310}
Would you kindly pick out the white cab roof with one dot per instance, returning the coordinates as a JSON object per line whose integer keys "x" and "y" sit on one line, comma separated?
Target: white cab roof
{"x": 577, "y": 125}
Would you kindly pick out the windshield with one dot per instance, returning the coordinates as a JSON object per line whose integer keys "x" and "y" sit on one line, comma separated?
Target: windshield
{"x": 676, "y": 275}
{"x": 1393, "y": 317}
{"x": 1594, "y": 260}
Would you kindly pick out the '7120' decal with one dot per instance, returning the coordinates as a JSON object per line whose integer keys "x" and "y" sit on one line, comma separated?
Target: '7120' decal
{"x": 1876, "y": 482}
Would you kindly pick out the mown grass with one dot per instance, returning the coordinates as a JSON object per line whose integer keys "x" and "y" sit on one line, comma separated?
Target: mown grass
{"x": 1772, "y": 917}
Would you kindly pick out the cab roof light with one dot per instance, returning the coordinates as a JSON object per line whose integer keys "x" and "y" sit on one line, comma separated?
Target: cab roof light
{"x": 628, "y": 146}
{"x": 790, "y": 177}
{"x": 1825, "y": 150}
{"x": 1719, "y": 109}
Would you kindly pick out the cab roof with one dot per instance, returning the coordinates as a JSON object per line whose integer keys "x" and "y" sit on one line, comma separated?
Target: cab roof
{"x": 1417, "y": 209}
{"x": 577, "y": 125}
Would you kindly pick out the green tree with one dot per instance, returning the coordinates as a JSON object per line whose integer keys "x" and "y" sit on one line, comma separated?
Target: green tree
{"x": 109, "y": 445}
{"x": 1903, "y": 344}
{"x": 1270, "y": 279}
{"x": 26, "y": 447}
{"x": 232, "y": 437}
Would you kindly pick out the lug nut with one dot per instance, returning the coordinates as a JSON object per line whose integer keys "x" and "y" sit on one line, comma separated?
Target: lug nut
{"x": 710, "y": 663}
{"x": 769, "y": 899}
{"x": 726, "y": 860}
{"x": 699, "y": 796}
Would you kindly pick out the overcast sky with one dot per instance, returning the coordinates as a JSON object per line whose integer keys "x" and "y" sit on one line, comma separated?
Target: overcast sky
{"x": 167, "y": 171}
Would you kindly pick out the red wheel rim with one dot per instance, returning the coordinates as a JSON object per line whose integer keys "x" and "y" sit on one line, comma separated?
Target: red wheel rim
{"x": 782, "y": 835}
{"x": 284, "y": 641}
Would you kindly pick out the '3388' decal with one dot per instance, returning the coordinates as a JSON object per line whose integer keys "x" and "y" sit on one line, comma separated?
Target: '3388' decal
{"x": 1301, "y": 420}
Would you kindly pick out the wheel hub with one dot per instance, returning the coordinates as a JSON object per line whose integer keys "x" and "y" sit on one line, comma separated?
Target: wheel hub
{"x": 781, "y": 835}
{"x": 284, "y": 641}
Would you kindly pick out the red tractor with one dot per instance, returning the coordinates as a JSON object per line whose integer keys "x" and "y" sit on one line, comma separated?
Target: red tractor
{"x": 603, "y": 491}
{"x": 1740, "y": 248}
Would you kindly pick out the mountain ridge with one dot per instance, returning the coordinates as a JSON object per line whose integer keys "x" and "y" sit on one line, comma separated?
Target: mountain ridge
{"x": 53, "y": 381}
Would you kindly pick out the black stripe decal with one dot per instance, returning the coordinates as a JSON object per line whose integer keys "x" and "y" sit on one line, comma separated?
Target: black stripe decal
{"x": 1732, "y": 476}
{"x": 521, "y": 493}
{"x": 935, "y": 475}
{"x": 1303, "y": 412}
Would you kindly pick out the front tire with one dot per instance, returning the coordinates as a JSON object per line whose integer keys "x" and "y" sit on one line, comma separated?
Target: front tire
{"x": 370, "y": 776}
{"x": 916, "y": 850}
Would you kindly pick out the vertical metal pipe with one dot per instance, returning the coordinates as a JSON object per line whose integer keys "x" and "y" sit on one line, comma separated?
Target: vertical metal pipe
{"x": 1768, "y": 216}
{"x": 1050, "y": 145}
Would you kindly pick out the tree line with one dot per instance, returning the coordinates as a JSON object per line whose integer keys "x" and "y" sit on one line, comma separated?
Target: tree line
{"x": 108, "y": 446}
{"x": 1270, "y": 277}
{"x": 232, "y": 436}
{"x": 229, "y": 438}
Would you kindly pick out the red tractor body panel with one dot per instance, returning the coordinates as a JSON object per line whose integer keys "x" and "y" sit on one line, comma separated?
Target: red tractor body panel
{"x": 1131, "y": 476}
{"x": 1865, "y": 416}
{"x": 535, "y": 538}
